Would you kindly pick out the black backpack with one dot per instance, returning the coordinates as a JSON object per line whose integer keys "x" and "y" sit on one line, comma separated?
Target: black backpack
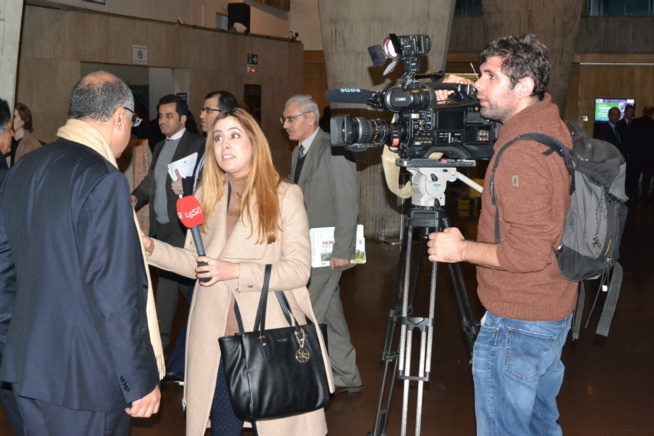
{"x": 594, "y": 223}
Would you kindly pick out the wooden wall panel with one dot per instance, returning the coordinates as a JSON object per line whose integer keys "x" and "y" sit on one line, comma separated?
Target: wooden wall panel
{"x": 315, "y": 78}
{"x": 56, "y": 42}
{"x": 613, "y": 81}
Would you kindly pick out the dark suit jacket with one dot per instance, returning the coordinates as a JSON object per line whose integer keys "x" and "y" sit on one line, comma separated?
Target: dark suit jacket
{"x": 78, "y": 335}
{"x": 331, "y": 192}
{"x": 644, "y": 139}
{"x": 188, "y": 182}
{"x": 144, "y": 192}
{"x": 626, "y": 132}
{"x": 604, "y": 131}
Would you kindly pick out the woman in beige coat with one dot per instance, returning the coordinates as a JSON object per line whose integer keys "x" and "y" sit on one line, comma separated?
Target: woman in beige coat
{"x": 252, "y": 218}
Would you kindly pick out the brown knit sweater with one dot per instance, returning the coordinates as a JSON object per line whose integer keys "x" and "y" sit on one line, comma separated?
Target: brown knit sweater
{"x": 532, "y": 191}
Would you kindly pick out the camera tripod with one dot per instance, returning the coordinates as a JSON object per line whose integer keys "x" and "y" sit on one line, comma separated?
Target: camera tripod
{"x": 429, "y": 179}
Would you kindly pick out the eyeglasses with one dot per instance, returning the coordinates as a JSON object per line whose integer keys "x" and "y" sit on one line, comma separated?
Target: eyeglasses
{"x": 136, "y": 121}
{"x": 291, "y": 119}
{"x": 210, "y": 109}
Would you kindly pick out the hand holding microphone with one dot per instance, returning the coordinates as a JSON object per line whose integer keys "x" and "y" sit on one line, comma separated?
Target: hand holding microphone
{"x": 191, "y": 215}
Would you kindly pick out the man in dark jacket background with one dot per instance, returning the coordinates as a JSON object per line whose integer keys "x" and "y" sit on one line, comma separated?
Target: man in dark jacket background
{"x": 156, "y": 190}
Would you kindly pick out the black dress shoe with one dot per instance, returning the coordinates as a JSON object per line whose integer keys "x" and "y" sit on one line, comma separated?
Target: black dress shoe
{"x": 347, "y": 389}
{"x": 173, "y": 377}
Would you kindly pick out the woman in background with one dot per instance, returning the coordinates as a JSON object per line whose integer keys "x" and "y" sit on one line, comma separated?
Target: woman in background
{"x": 253, "y": 217}
{"x": 23, "y": 141}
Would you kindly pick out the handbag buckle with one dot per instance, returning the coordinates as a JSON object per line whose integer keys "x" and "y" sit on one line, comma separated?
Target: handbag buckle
{"x": 302, "y": 355}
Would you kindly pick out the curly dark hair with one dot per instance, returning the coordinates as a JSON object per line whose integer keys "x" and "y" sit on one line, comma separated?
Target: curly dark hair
{"x": 522, "y": 56}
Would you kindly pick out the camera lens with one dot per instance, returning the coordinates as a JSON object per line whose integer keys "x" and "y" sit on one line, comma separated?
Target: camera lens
{"x": 367, "y": 131}
{"x": 347, "y": 130}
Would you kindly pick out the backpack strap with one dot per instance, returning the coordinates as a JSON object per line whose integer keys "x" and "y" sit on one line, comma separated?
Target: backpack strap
{"x": 611, "y": 301}
{"x": 544, "y": 139}
{"x": 579, "y": 310}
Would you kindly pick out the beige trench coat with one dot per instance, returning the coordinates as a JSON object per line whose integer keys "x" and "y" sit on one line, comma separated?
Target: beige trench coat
{"x": 290, "y": 257}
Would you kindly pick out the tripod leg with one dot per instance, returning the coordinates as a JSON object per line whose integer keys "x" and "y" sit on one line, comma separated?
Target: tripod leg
{"x": 470, "y": 326}
{"x": 406, "y": 285}
{"x": 406, "y": 335}
{"x": 390, "y": 356}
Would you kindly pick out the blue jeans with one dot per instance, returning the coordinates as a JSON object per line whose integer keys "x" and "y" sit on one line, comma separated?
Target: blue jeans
{"x": 518, "y": 372}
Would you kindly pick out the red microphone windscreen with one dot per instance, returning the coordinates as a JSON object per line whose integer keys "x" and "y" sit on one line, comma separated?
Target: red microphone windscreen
{"x": 189, "y": 211}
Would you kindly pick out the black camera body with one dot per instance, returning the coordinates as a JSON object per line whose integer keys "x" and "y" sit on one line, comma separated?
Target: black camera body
{"x": 421, "y": 126}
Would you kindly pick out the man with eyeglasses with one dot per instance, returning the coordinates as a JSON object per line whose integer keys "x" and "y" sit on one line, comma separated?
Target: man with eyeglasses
{"x": 328, "y": 178}
{"x": 156, "y": 190}
{"x": 77, "y": 347}
{"x": 214, "y": 103}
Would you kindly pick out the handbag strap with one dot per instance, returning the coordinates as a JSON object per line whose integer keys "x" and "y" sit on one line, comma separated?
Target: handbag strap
{"x": 260, "y": 319}
{"x": 286, "y": 308}
{"x": 239, "y": 320}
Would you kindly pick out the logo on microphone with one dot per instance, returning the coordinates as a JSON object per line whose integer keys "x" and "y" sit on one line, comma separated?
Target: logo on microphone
{"x": 192, "y": 213}
{"x": 189, "y": 211}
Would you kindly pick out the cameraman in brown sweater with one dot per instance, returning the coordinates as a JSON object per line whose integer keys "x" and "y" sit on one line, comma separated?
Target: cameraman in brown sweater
{"x": 517, "y": 366}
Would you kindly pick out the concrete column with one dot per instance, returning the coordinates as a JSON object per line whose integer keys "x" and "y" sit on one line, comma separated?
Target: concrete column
{"x": 349, "y": 27}
{"x": 11, "y": 17}
{"x": 554, "y": 22}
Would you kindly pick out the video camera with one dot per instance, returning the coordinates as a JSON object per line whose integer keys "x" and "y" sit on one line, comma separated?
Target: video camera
{"x": 422, "y": 125}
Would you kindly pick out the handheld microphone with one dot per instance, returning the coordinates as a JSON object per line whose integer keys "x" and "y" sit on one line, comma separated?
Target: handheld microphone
{"x": 191, "y": 215}
{"x": 353, "y": 96}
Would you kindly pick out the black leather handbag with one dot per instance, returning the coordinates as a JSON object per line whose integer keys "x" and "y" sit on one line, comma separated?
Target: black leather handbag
{"x": 273, "y": 373}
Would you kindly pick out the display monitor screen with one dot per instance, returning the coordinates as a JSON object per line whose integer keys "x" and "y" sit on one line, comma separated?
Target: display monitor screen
{"x": 603, "y": 105}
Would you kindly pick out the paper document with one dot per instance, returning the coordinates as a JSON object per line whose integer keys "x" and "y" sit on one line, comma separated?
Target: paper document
{"x": 322, "y": 243}
{"x": 185, "y": 166}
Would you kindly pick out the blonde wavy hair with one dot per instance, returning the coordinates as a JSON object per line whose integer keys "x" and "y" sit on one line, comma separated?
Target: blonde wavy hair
{"x": 260, "y": 190}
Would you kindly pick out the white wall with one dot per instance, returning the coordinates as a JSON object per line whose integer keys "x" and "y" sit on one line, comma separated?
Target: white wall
{"x": 11, "y": 13}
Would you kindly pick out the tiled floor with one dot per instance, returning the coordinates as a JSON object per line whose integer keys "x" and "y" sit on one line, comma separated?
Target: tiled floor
{"x": 608, "y": 387}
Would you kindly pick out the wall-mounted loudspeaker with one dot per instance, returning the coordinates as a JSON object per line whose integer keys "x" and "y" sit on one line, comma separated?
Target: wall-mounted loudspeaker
{"x": 238, "y": 13}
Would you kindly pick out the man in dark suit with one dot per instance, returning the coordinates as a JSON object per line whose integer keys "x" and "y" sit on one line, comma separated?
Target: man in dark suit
{"x": 156, "y": 190}
{"x": 644, "y": 152}
{"x": 214, "y": 103}
{"x": 328, "y": 178}
{"x": 6, "y": 132}
{"x": 7, "y": 275}
{"x": 77, "y": 352}
{"x": 626, "y": 131}
{"x": 609, "y": 131}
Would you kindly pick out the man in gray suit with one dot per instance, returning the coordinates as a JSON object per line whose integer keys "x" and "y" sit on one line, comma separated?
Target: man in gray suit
{"x": 156, "y": 189}
{"x": 328, "y": 179}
